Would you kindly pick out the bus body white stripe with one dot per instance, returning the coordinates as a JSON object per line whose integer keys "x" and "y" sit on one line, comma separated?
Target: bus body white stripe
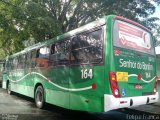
{"x": 63, "y": 88}
{"x": 146, "y": 81}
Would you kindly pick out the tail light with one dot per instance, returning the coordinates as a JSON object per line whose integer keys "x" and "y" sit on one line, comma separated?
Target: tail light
{"x": 114, "y": 84}
{"x": 155, "y": 85}
{"x": 139, "y": 76}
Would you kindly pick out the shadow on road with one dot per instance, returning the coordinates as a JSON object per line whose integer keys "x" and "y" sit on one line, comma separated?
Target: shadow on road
{"x": 26, "y": 110}
{"x": 50, "y": 112}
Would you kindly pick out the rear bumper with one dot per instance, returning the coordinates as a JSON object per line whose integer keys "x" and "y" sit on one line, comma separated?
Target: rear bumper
{"x": 110, "y": 102}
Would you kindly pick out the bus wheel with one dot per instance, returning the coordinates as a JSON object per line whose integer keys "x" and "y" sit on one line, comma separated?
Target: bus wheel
{"x": 39, "y": 97}
{"x": 9, "y": 88}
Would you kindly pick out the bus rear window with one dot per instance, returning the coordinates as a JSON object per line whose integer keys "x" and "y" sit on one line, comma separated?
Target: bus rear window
{"x": 128, "y": 36}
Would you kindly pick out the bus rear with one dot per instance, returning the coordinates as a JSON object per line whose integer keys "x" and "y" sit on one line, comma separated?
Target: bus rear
{"x": 132, "y": 73}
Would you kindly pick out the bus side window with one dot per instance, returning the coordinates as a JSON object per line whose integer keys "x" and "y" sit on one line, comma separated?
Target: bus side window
{"x": 87, "y": 48}
{"x": 52, "y": 49}
{"x": 11, "y": 64}
{"x": 73, "y": 51}
{"x": 59, "y": 54}
{"x": 28, "y": 59}
{"x": 33, "y": 58}
{"x": 19, "y": 59}
{"x": 51, "y": 57}
{"x": 4, "y": 67}
{"x": 15, "y": 63}
{"x": 42, "y": 56}
{"x": 21, "y": 62}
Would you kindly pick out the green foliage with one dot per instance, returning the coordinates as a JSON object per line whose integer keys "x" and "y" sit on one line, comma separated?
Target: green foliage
{"x": 157, "y": 1}
{"x": 24, "y": 21}
{"x": 157, "y": 35}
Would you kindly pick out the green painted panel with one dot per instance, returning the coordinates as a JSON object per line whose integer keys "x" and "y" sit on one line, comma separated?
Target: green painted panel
{"x": 133, "y": 63}
{"x": 78, "y": 81}
{"x": 23, "y": 89}
{"x": 86, "y": 103}
{"x": 58, "y": 98}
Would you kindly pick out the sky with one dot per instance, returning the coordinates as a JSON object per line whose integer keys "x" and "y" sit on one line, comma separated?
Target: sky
{"x": 157, "y": 50}
{"x": 157, "y": 13}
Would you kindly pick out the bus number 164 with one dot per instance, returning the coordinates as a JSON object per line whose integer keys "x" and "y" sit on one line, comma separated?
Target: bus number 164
{"x": 86, "y": 73}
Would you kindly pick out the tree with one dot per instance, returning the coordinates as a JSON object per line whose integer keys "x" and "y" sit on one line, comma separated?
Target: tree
{"x": 157, "y": 35}
{"x": 10, "y": 37}
{"x": 157, "y": 1}
{"x": 41, "y": 19}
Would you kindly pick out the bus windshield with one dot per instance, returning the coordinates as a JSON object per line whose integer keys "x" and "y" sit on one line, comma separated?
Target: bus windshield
{"x": 129, "y": 36}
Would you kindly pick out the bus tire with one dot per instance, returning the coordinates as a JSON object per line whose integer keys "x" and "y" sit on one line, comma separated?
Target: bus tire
{"x": 9, "y": 88}
{"x": 39, "y": 97}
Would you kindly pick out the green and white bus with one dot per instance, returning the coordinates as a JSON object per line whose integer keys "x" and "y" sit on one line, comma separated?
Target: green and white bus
{"x": 104, "y": 65}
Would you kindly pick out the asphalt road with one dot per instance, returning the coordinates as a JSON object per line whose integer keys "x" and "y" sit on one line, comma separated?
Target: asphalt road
{"x": 17, "y": 107}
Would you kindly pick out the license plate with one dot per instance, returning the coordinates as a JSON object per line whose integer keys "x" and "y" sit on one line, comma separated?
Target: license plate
{"x": 138, "y": 86}
{"x": 122, "y": 76}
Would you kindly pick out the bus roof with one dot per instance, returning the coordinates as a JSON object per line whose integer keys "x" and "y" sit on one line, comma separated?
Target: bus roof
{"x": 132, "y": 22}
{"x": 76, "y": 31}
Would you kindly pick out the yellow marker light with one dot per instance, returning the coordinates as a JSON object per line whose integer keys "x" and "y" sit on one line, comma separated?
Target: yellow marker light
{"x": 113, "y": 77}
